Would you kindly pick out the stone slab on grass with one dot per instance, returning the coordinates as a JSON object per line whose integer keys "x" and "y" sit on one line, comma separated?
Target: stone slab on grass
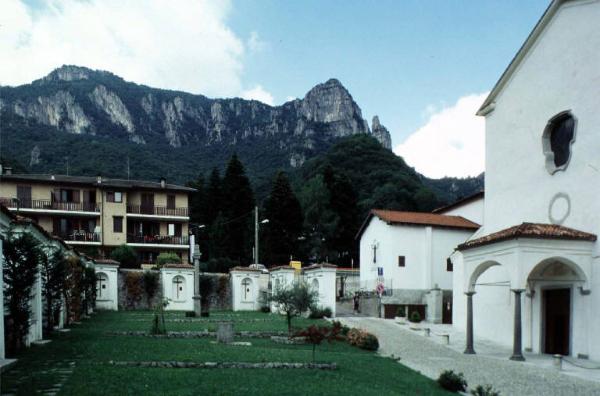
{"x": 225, "y": 365}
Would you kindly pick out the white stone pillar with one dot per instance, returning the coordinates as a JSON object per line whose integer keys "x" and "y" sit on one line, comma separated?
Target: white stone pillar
{"x": 2, "y": 350}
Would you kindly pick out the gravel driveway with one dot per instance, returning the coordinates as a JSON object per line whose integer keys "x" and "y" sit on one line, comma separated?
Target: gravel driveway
{"x": 430, "y": 358}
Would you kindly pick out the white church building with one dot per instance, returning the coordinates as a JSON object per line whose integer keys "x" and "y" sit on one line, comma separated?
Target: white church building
{"x": 408, "y": 254}
{"x": 529, "y": 278}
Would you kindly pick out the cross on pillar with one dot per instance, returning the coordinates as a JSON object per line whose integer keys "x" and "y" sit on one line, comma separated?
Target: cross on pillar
{"x": 177, "y": 281}
{"x": 517, "y": 347}
{"x": 245, "y": 284}
{"x": 469, "y": 350}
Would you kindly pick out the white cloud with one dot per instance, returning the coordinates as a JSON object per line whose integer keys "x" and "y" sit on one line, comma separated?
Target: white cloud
{"x": 255, "y": 43}
{"x": 451, "y": 143}
{"x": 260, "y": 94}
{"x": 185, "y": 45}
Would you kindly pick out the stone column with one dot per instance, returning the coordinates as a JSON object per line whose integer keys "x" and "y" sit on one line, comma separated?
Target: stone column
{"x": 196, "y": 298}
{"x": 517, "y": 347}
{"x": 469, "y": 349}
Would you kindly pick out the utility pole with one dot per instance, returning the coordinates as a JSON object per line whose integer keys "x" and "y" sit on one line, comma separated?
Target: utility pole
{"x": 256, "y": 235}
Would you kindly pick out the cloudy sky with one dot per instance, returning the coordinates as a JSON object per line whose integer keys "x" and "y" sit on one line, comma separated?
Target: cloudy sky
{"x": 422, "y": 66}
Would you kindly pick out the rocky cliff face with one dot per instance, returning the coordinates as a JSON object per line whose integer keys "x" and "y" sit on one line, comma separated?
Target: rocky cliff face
{"x": 381, "y": 133}
{"x": 77, "y": 100}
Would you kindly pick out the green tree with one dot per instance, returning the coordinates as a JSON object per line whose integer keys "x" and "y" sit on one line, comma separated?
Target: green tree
{"x": 167, "y": 258}
{"x": 238, "y": 204}
{"x": 281, "y": 234}
{"x": 54, "y": 271}
{"x": 125, "y": 255}
{"x": 89, "y": 289}
{"x": 197, "y": 203}
{"x": 214, "y": 197}
{"x": 21, "y": 257}
{"x": 294, "y": 300}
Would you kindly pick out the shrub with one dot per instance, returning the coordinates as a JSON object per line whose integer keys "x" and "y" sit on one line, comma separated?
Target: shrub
{"x": 362, "y": 339}
{"x": 452, "y": 382}
{"x": 126, "y": 256}
{"x": 54, "y": 272}
{"x": 343, "y": 328}
{"x": 415, "y": 317}
{"x": 133, "y": 285}
{"x": 190, "y": 314}
{"x": 158, "y": 321}
{"x": 21, "y": 258}
{"x": 265, "y": 309}
{"x": 206, "y": 289}
{"x": 167, "y": 258}
{"x": 485, "y": 390}
{"x": 315, "y": 335}
{"x": 401, "y": 311}
{"x": 320, "y": 313}
{"x": 151, "y": 284}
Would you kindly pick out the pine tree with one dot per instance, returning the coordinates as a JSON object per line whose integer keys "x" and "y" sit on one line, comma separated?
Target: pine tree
{"x": 197, "y": 200}
{"x": 238, "y": 204}
{"x": 54, "y": 272}
{"x": 283, "y": 210}
{"x": 213, "y": 197}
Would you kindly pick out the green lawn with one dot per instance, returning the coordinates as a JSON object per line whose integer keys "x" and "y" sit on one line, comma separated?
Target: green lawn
{"x": 79, "y": 360}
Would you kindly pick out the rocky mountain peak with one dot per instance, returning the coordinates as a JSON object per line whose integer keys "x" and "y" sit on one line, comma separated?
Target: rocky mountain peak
{"x": 381, "y": 133}
{"x": 69, "y": 73}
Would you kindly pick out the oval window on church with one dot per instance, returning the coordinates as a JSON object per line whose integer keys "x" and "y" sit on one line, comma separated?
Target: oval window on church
{"x": 557, "y": 139}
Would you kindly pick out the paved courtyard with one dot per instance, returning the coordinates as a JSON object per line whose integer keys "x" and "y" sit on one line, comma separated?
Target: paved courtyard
{"x": 490, "y": 366}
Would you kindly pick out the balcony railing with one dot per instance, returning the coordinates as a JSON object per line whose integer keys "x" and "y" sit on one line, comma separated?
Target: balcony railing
{"x": 157, "y": 210}
{"x": 47, "y": 204}
{"x": 79, "y": 236}
{"x": 158, "y": 239}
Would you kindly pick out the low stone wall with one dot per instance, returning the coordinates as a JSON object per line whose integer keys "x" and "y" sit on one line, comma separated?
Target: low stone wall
{"x": 220, "y": 298}
{"x": 226, "y": 365}
{"x": 199, "y": 334}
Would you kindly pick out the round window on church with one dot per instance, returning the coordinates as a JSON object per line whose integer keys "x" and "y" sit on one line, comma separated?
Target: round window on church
{"x": 557, "y": 139}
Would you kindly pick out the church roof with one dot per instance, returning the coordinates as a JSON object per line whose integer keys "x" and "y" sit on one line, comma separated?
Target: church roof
{"x": 488, "y": 104}
{"x": 460, "y": 202}
{"x": 394, "y": 217}
{"x": 178, "y": 265}
{"x": 530, "y": 230}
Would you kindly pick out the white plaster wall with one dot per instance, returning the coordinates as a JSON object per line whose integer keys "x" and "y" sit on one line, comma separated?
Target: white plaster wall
{"x": 238, "y": 302}
{"x": 111, "y": 300}
{"x": 559, "y": 73}
{"x": 471, "y": 211}
{"x": 185, "y": 302}
{"x": 326, "y": 281}
{"x": 425, "y": 249}
{"x": 2, "y": 349}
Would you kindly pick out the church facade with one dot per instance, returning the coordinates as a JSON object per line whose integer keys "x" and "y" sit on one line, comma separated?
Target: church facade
{"x": 528, "y": 278}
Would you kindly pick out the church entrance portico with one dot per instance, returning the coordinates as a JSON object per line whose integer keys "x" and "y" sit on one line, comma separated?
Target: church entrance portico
{"x": 540, "y": 297}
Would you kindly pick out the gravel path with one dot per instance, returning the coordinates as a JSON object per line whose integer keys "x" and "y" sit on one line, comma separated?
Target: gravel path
{"x": 430, "y": 358}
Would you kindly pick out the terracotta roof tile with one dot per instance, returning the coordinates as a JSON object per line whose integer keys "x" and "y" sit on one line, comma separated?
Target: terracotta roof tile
{"x": 282, "y": 267}
{"x": 106, "y": 262}
{"x": 245, "y": 269}
{"x": 530, "y": 230}
{"x": 317, "y": 266}
{"x": 460, "y": 202}
{"x": 177, "y": 265}
{"x": 423, "y": 218}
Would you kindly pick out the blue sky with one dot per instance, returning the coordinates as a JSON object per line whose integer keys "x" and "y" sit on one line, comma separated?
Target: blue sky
{"x": 422, "y": 66}
{"x": 397, "y": 58}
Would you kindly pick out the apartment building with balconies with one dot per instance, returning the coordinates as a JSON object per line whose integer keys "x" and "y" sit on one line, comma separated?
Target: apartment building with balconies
{"x": 98, "y": 213}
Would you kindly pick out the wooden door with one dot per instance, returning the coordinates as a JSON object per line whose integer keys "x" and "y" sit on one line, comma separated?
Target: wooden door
{"x": 147, "y": 206}
{"x": 557, "y": 321}
{"x": 24, "y": 196}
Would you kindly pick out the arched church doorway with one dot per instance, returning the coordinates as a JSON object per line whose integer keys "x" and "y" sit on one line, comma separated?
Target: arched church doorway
{"x": 556, "y": 326}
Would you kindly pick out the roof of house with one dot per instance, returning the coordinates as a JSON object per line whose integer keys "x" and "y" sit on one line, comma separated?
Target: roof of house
{"x": 244, "y": 269}
{"x": 460, "y": 202}
{"x": 487, "y": 105}
{"x": 178, "y": 265}
{"x": 530, "y": 230}
{"x": 106, "y": 262}
{"x": 282, "y": 267}
{"x": 318, "y": 266}
{"x": 93, "y": 181}
{"x": 393, "y": 217}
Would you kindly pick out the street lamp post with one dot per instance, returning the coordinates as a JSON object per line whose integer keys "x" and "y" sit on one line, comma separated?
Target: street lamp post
{"x": 196, "y": 260}
{"x": 256, "y": 224}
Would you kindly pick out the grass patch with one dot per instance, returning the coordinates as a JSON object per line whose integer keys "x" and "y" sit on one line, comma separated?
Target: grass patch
{"x": 91, "y": 348}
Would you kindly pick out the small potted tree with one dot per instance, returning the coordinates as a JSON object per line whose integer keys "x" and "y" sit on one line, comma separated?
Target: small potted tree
{"x": 400, "y": 315}
{"x": 415, "y": 319}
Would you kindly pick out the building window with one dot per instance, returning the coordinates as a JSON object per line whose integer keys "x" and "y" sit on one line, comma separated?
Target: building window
{"x": 170, "y": 201}
{"x": 449, "y": 265}
{"x": 557, "y": 139}
{"x": 114, "y": 196}
{"x": 401, "y": 261}
{"x": 117, "y": 223}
